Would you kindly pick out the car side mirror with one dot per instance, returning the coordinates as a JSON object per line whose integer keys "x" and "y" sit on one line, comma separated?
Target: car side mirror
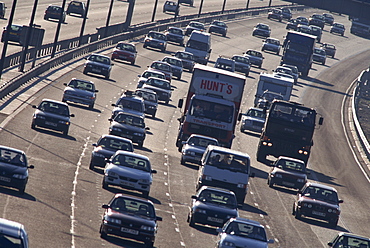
{"x": 65, "y": 84}
{"x": 110, "y": 119}
{"x": 96, "y": 90}
{"x": 181, "y": 102}
{"x": 158, "y": 218}
{"x": 194, "y": 197}
{"x": 183, "y": 142}
{"x": 219, "y": 229}
{"x": 147, "y": 128}
{"x": 105, "y": 206}
{"x": 34, "y": 106}
{"x": 154, "y": 171}
{"x": 252, "y": 174}
{"x": 113, "y": 105}
{"x": 340, "y": 201}
{"x": 94, "y": 144}
{"x": 31, "y": 167}
{"x": 321, "y": 120}
{"x": 72, "y": 115}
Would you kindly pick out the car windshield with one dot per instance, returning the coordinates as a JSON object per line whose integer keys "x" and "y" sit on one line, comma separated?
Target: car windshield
{"x": 148, "y": 96}
{"x": 148, "y": 74}
{"x": 129, "y": 120}
{"x": 263, "y": 26}
{"x": 131, "y": 162}
{"x": 337, "y": 25}
{"x": 321, "y": 194}
{"x": 161, "y": 66}
{"x": 173, "y": 61}
{"x": 158, "y": 83}
{"x": 293, "y": 68}
{"x": 276, "y": 11}
{"x": 320, "y": 17}
{"x": 115, "y": 144}
{"x": 126, "y": 103}
{"x": 291, "y": 165}
{"x": 132, "y": 206}
{"x": 54, "y": 108}
{"x": 100, "y": 59}
{"x": 12, "y": 157}
{"x": 254, "y": 53}
{"x": 213, "y": 111}
{"x": 328, "y": 46}
{"x": 82, "y": 85}
{"x": 256, "y": 113}
{"x": 217, "y": 198}
{"x": 246, "y": 230}
{"x": 229, "y": 161}
{"x": 196, "y": 25}
{"x": 182, "y": 55}
{"x": 320, "y": 51}
{"x": 284, "y": 70}
{"x": 158, "y": 36}
{"x": 218, "y": 23}
{"x": 241, "y": 59}
{"x": 200, "y": 141}
{"x": 197, "y": 45}
{"x": 175, "y": 31}
{"x": 293, "y": 114}
{"x": 126, "y": 47}
{"x": 10, "y": 241}
{"x": 273, "y": 41}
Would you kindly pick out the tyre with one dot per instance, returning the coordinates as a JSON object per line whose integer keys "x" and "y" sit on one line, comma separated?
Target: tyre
{"x": 92, "y": 105}
{"x": 333, "y": 223}
{"x": 167, "y": 101}
{"x": 191, "y": 221}
{"x": 153, "y": 115}
{"x": 103, "y": 235}
{"x": 105, "y": 185}
{"x": 132, "y": 62}
{"x": 65, "y": 132}
{"x": 33, "y": 126}
{"x": 22, "y": 189}
{"x": 84, "y": 71}
{"x": 259, "y": 66}
{"x": 140, "y": 143}
{"x": 63, "y": 100}
{"x": 91, "y": 166}
{"x": 107, "y": 76}
{"x": 293, "y": 210}
{"x": 163, "y": 49}
{"x": 261, "y": 157}
{"x": 149, "y": 244}
{"x": 270, "y": 183}
{"x": 145, "y": 194}
{"x": 144, "y": 45}
{"x": 297, "y": 214}
{"x": 241, "y": 130}
{"x": 182, "y": 161}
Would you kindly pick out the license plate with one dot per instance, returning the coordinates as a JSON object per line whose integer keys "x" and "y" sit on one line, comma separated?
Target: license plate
{"x": 124, "y": 183}
{"x": 131, "y": 231}
{"x": 127, "y": 136}
{"x": 13, "y": 33}
{"x": 288, "y": 184}
{"x": 213, "y": 219}
{"x": 95, "y": 70}
{"x": 50, "y": 123}
{"x": 5, "y": 179}
{"x": 123, "y": 57}
{"x": 318, "y": 213}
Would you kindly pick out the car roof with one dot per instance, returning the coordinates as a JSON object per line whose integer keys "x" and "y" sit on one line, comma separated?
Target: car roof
{"x": 82, "y": 80}
{"x": 98, "y": 54}
{"x": 172, "y": 57}
{"x": 12, "y": 149}
{"x": 353, "y": 235}
{"x": 10, "y": 227}
{"x": 174, "y": 27}
{"x": 133, "y": 198}
{"x": 222, "y": 190}
{"x": 248, "y": 221}
{"x": 146, "y": 90}
{"x": 133, "y": 154}
{"x": 321, "y": 186}
{"x": 126, "y": 112}
{"x": 54, "y": 101}
{"x": 228, "y": 150}
{"x": 116, "y": 137}
{"x": 203, "y": 136}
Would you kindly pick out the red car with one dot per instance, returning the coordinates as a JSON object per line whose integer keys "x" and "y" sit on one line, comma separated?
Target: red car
{"x": 125, "y": 51}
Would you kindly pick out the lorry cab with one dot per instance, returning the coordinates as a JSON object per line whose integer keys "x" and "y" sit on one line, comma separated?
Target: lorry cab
{"x": 199, "y": 44}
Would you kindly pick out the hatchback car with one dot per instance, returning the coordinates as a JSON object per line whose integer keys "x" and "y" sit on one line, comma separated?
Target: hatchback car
{"x": 187, "y": 60}
{"x": 13, "y": 234}
{"x": 176, "y": 65}
{"x": 147, "y": 74}
{"x": 193, "y": 148}
{"x": 176, "y": 35}
{"x": 242, "y": 64}
{"x": 14, "y": 34}
{"x": 240, "y": 232}
{"x": 125, "y": 51}
{"x": 13, "y": 168}
{"x": 329, "y": 49}
{"x": 337, "y": 28}
{"x": 255, "y": 57}
{"x": 80, "y": 91}
{"x": 130, "y": 217}
{"x": 344, "y": 239}
{"x": 171, "y": 6}
{"x": 317, "y": 201}
{"x": 212, "y": 206}
{"x": 218, "y": 27}
{"x": 329, "y": 18}
{"x": 161, "y": 86}
{"x": 271, "y": 44}
{"x": 163, "y": 67}
{"x": 288, "y": 172}
{"x": 261, "y": 30}
{"x": 253, "y": 120}
{"x": 98, "y": 64}
{"x": 194, "y": 25}
{"x": 52, "y": 114}
{"x": 129, "y": 126}
{"x": 276, "y": 14}
{"x": 76, "y": 7}
{"x": 319, "y": 55}
{"x": 55, "y": 12}
{"x": 156, "y": 39}
{"x": 150, "y": 100}
{"x": 130, "y": 171}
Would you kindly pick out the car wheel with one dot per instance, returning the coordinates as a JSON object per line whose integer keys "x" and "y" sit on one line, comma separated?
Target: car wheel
{"x": 182, "y": 161}
{"x": 91, "y": 166}
{"x": 103, "y": 234}
{"x": 91, "y": 105}
{"x": 140, "y": 143}
{"x": 167, "y": 101}
{"x": 153, "y": 115}
{"x": 224, "y": 35}
{"x": 22, "y": 189}
{"x": 297, "y": 214}
{"x": 241, "y": 130}
{"x": 65, "y": 132}
{"x": 107, "y": 76}
{"x": 179, "y": 77}
{"x": 105, "y": 185}
{"x": 145, "y": 194}
{"x": 293, "y": 209}
{"x": 144, "y": 45}
{"x": 84, "y": 71}
{"x": 277, "y": 53}
{"x": 163, "y": 49}
{"x": 333, "y": 223}
{"x": 132, "y": 62}
{"x": 332, "y": 56}
{"x": 270, "y": 183}
{"x": 63, "y": 100}
{"x": 259, "y": 66}
{"x": 33, "y": 126}
{"x": 112, "y": 59}
{"x": 191, "y": 221}
{"x": 149, "y": 244}
{"x": 323, "y": 63}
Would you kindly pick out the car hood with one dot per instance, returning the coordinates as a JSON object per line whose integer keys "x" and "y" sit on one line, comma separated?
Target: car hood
{"x": 135, "y": 220}
{"x": 129, "y": 172}
{"x": 94, "y": 63}
{"x": 156, "y": 40}
{"x": 12, "y": 169}
{"x": 287, "y": 172}
{"x": 61, "y": 117}
{"x": 249, "y": 118}
{"x": 156, "y": 89}
{"x": 128, "y": 127}
{"x": 197, "y": 149}
{"x": 243, "y": 242}
{"x": 79, "y": 92}
{"x": 313, "y": 201}
{"x": 105, "y": 152}
{"x": 124, "y": 52}
{"x": 215, "y": 208}
{"x": 126, "y": 110}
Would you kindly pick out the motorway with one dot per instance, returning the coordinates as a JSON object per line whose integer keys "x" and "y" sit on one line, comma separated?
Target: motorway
{"x": 62, "y": 204}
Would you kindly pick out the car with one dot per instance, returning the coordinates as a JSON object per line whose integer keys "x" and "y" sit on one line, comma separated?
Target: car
{"x": 241, "y": 232}
{"x": 271, "y": 44}
{"x": 187, "y": 60}
{"x": 218, "y": 27}
{"x": 171, "y": 6}
{"x": 176, "y": 35}
{"x": 80, "y": 91}
{"x": 317, "y": 20}
{"x": 295, "y": 71}
{"x": 160, "y": 86}
{"x": 176, "y": 65}
{"x": 130, "y": 126}
{"x": 130, "y": 103}
{"x": 155, "y": 39}
{"x": 345, "y": 239}
{"x": 129, "y": 170}
{"x": 193, "y": 148}
{"x": 337, "y": 28}
{"x": 302, "y": 20}
{"x": 225, "y": 64}
{"x": 292, "y": 24}
{"x": 13, "y": 234}
{"x": 55, "y": 12}
{"x": 125, "y": 51}
{"x": 276, "y": 14}
{"x": 13, "y": 169}
{"x": 164, "y": 67}
{"x": 130, "y": 217}
{"x": 106, "y": 146}
{"x": 14, "y": 34}
{"x": 194, "y": 25}
{"x": 2, "y": 10}
{"x": 52, "y": 114}
{"x": 150, "y": 100}
{"x": 329, "y": 18}
{"x": 147, "y": 74}
{"x": 262, "y": 29}
{"x": 284, "y": 70}
{"x": 329, "y": 49}
{"x": 255, "y": 57}
{"x": 319, "y": 55}
{"x": 242, "y": 64}
{"x": 304, "y": 29}
{"x": 98, "y": 64}
{"x": 316, "y": 31}
{"x": 288, "y": 172}
{"x": 253, "y": 120}
{"x": 287, "y": 13}
{"x": 317, "y": 201}
{"x": 212, "y": 206}
{"x": 76, "y": 7}
{"x": 190, "y": 2}
{"x": 265, "y": 100}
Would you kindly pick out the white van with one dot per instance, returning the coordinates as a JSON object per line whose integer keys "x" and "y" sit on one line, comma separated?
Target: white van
{"x": 199, "y": 44}
{"x": 13, "y": 234}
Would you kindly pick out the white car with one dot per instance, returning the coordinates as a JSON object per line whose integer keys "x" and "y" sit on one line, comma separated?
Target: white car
{"x": 130, "y": 171}
{"x": 253, "y": 120}
{"x": 281, "y": 70}
{"x": 193, "y": 149}
{"x": 294, "y": 71}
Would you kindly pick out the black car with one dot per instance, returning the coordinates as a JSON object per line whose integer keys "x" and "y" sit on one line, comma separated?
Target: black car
{"x": 261, "y": 30}
{"x": 13, "y": 168}
{"x": 14, "y": 34}
{"x": 130, "y": 217}
{"x": 129, "y": 126}
{"x": 337, "y": 28}
{"x": 292, "y": 24}
{"x": 156, "y": 40}
{"x": 52, "y": 114}
{"x": 329, "y": 18}
{"x": 76, "y": 7}
{"x": 150, "y": 100}
{"x": 176, "y": 35}
{"x": 106, "y": 146}
{"x": 218, "y": 27}
{"x": 317, "y": 201}
{"x": 80, "y": 91}
{"x": 98, "y": 64}
{"x": 161, "y": 86}
{"x": 55, "y": 12}
{"x": 287, "y": 13}
{"x": 129, "y": 103}
{"x": 187, "y": 60}
{"x": 276, "y": 14}
{"x": 2, "y": 10}
{"x": 330, "y": 49}
{"x": 317, "y": 20}
{"x": 212, "y": 206}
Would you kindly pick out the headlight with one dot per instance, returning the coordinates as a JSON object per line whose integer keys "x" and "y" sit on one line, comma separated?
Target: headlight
{"x": 241, "y": 185}
{"x": 63, "y": 122}
{"x": 147, "y": 40}
{"x": 190, "y": 153}
{"x": 161, "y": 43}
{"x": 278, "y": 175}
{"x": 228, "y": 243}
{"x": 139, "y": 134}
{"x": 39, "y": 117}
{"x": 147, "y": 228}
{"x": 300, "y": 180}
{"x": 20, "y": 176}
{"x": 113, "y": 220}
{"x": 96, "y": 154}
{"x": 146, "y": 181}
{"x": 201, "y": 211}
{"x": 112, "y": 174}
{"x": 151, "y": 107}
{"x": 116, "y": 129}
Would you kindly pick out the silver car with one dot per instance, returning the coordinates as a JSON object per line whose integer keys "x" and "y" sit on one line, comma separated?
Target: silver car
{"x": 253, "y": 120}
{"x": 80, "y": 91}
{"x": 193, "y": 149}
{"x": 176, "y": 65}
{"x": 271, "y": 44}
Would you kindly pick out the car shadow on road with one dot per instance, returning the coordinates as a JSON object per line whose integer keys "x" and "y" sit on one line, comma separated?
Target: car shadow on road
{"x": 191, "y": 165}
{"x": 251, "y": 133}
{"x": 118, "y": 190}
{"x": 322, "y": 224}
{"x": 205, "y": 229}
{"x": 251, "y": 209}
{"x": 285, "y": 190}
{"x": 84, "y": 107}
{"x": 54, "y": 133}
{"x": 124, "y": 242}
{"x": 14, "y": 192}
